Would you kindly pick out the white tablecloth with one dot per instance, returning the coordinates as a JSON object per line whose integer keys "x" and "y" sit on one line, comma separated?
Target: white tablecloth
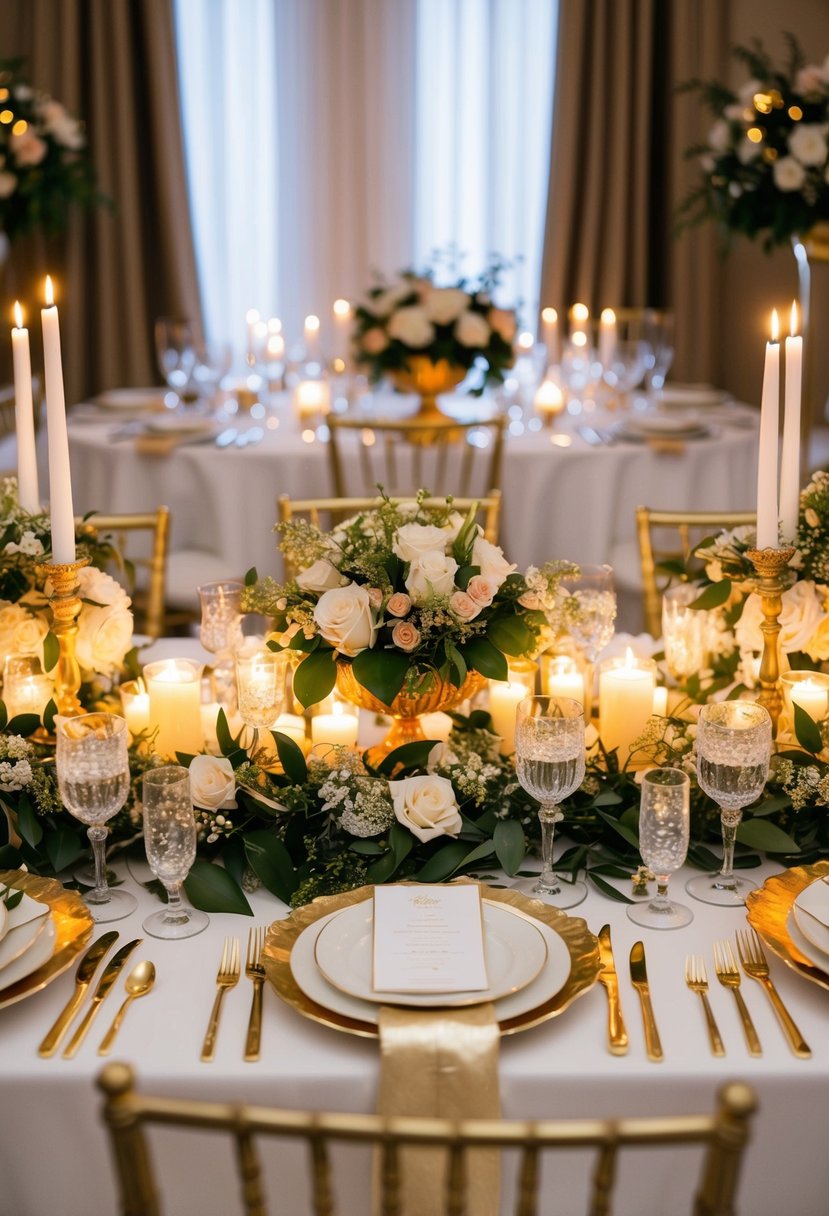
{"x": 54, "y": 1157}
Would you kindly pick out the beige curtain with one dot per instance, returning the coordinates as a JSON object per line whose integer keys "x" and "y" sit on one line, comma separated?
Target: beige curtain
{"x": 113, "y": 63}
{"x": 617, "y": 169}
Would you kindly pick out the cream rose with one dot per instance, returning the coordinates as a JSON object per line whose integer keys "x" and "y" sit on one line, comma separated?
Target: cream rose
{"x": 399, "y": 604}
{"x": 405, "y": 636}
{"x": 27, "y": 636}
{"x": 491, "y": 559}
{"x": 412, "y": 327}
{"x": 800, "y": 619}
{"x": 788, "y": 173}
{"x": 482, "y": 589}
{"x": 432, "y": 574}
{"x": 443, "y": 305}
{"x": 503, "y": 322}
{"x": 426, "y": 806}
{"x": 808, "y": 143}
{"x": 345, "y": 619}
{"x": 413, "y": 541}
{"x": 464, "y": 606}
{"x": 471, "y": 329}
{"x": 212, "y": 783}
{"x": 321, "y": 576}
{"x": 104, "y": 637}
{"x": 13, "y": 618}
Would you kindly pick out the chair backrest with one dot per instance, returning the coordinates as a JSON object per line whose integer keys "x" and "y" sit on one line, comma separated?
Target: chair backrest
{"x": 148, "y": 592}
{"x": 326, "y": 513}
{"x": 404, "y": 455}
{"x": 665, "y": 536}
{"x": 724, "y": 1135}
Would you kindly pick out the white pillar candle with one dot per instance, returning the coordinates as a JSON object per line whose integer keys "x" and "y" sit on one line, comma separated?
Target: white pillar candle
{"x": 809, "y": 690}
{"x": 660, "y": 701}
{"x": 251, "y": 321}
{"x": 337, "y": 728}
{"x": 607, "y": 336}
{"x": 28, "y": 491}
{"x": 174, "y": 687}
{"x": 135, "y": 706}
{"x": 60, "y": 482}
{"x": 790, "y": 459}
{"x": 562, "y": 678}
{"x": 312, "y": 397}
{"x": 504, "y": 696}
{"x": 436, "y": 726}
{"x": 549, "y": 334}
{"x": 625, "y": 701}
{"x": 767, "y": 527}
{"x": 548, "y": 400}
{"x": 292, "y": 725}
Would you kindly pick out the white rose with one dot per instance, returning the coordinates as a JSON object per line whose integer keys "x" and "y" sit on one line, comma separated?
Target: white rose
{"x": 471, "y": 329}
{"x": 747, "y": 151}
{"x": 426, "y": 806}
{"x": 346, "y": 619}
{"x": 12, "y": 617}
{"x": 491, "y": 559}
{"x": 799, "y": 619}
{"x": 445, "y": 304}
{"x": 321, "y": 576}
{"x": 808, "y": 143}
{"x": 385, "y": 303}
{"x": 414, "y": 540}
{"x": 104, "y": 637}
{"x": 27, "y": 636}
{"x": 431, "y": 574}
{"x": 412, "y": 327}
{"x": 719, "y": 137}
{"x": 212, "y": 783}
{"x": 788, "y": 173}
{"x": 101, "y": 588}
{"x": 503, "y": 321}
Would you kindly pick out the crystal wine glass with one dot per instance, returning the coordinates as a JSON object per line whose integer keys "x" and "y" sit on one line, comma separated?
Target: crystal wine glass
{"x": 664, "y": 827}
{"x": 659, "y": 333}
{"x": 260, "y": 684}
{"x": 176, "y": 353}
{"x": 733, "y": 751}
{"x": 684, "y": 631}
{"x": 591, "y": 624}
{"x": 221, "y": 632}
{"x": 170, "y": 842}
{"x": 549, "y": 762}
{"x": 92, "y": 764}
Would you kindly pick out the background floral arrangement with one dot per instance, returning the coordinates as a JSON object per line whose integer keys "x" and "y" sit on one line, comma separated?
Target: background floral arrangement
{"x": 765, "y": 164}
{"x": 412, "y": 316}
{"x": 44, "y": 164}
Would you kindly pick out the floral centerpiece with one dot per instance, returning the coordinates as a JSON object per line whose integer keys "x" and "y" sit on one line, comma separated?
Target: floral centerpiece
{"x": 765, "y": 164}
{"x": 426, "y": 336}
{"x": 44, "y": 164}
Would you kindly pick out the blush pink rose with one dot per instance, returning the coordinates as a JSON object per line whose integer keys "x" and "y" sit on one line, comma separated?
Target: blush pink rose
{"x": 405, "y": 636}
{"x": 481, "y": 589}
{"x": 399, "y": 604}
{"x": 374, "y": 341}
{"x": 28, "y": 148}
{"x": 464, "y": 606}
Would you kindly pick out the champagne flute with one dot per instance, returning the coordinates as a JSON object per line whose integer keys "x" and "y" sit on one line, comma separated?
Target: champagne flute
{"x": 221, "y": 632}
{"x": 591, "y": 623}
{"x": 549, "y": 762}
{"x": 92, "y": 764}
{"x": 733, "y": 752}
{"x": 170, "y": 843}
{"x": 664, "y": 828}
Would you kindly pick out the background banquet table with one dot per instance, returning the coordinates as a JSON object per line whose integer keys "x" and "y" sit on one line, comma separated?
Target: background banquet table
{"x": 563, "y": 497}
{"x": 54, "y": 1157}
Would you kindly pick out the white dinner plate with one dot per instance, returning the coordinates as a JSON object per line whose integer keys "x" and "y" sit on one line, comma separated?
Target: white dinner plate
{"x": 131, "y": 399}
{"x": 515, "y": 953}
{"x": 643, "y": 432}
{"x": 656, "y": 423}
{"x": 685, "y": 396}
{"x": 39, "y": 952}
{"x": 313, "y": 983}
{"x": 21, "y": 927}
{"x": 180, "y": 424}
{"x": 811, "y": 911}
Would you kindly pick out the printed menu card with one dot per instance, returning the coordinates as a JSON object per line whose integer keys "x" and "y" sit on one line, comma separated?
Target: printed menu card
{"x": 428, "y": 939}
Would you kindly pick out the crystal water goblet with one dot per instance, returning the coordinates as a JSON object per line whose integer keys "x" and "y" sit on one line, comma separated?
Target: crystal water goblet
{"x": 664, "y": 829}
{"x": 591, "y": 623}
{"x": 170, "y": 843}
{"x": 733, "y": 751}
{"x": 221, "y": 632}
{"x": 684, "y": 631}
{"x": 659, "y": 334}
{"x": 550, "y": 764}
{"x": 92, "y": 765}
{"x": 176, "y": 354}
{"x": 260, "y": 685}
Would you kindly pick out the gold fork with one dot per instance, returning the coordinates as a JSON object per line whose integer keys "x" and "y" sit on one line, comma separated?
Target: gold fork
{"x": 729, "y": 976}
{"x": 226, "y": 977}
{"x": 697, "y": 981}
{"x": 255, "y": 971}
{"x": 756, "y": 967}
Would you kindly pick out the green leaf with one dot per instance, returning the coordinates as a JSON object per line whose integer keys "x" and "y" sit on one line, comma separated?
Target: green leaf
{"x": 271, "y": 861}
{"x": 457, "y": 662}
{"x": 482, "y": 656}
{"x": 443, "y": 864}
{"x": 251, "y": 577}
{"x": 464, "y": 574}
{"x": 63, "y": 847}
{"x": 606, "y": 889}
{"x": 367, "y": 848}
{"x": 10, "y": 858}
{"x": 49, "y": 715}
{"x": 511, "y": 635}
{"x": 210, "y": 888}
{"x": 28, "y": 824}
{"x": 4, "y": 715}
{"x": 382, "y": 672}
{"x": 51, "y": 651}
{"x": 23, "y": 724}
{"x": 11, "y": 898}
{"x": 622, "y": 829}
{"x": 510, "y": 845}
{"x": 806, "y": 730}
{"x": 608, "y": 798}
{"x": 382, "y": 869}
{"x": 713, "y": 596}
{"x": 758, "y": 834}
{"x": 401, "y": 841}
{"x": 290, "y": 757}
{"x": 315, "y": 677}
{"x": 481, "y": 852}
{"x": 408, "y": 755}
{"x": 224, "y": 735}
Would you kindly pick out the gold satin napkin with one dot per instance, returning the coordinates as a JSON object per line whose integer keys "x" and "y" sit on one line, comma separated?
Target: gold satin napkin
{"x": 442, "y": 1063}
{"x": 156, "y": 445}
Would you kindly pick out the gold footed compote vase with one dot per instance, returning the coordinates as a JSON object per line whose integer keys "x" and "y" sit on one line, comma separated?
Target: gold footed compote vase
{"x": 406, "y": 708}
{"x": 428, "y": 378}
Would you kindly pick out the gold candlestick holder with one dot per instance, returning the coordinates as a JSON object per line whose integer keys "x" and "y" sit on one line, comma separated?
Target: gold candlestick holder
{"x": 65, "y": 604}
{"x": 770, "y": 565}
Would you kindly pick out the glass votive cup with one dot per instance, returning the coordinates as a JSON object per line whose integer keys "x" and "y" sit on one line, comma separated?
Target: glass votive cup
{"x": 221, "y": 615}
{"x": 561, "y": 676}
{"x": 174, "y": 687}
{"x": 27, "y": 689}
{"x": 626, "y": 688}
{"x": 809, "y": 690}
{"x": 684, "y": 631}
{"x": 260, "y": 684}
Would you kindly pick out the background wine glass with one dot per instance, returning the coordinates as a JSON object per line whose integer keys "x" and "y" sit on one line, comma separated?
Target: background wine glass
{"x": 659, "y": 333}
{"x": 549, "y": 763}
{"x": 684, "y": 631}
{"x": 170, "y": 844}
{"x": 92, "y": 764}
{"x": 733, "y": 751}
{"x": 176, "y": 353}
{"x": 260, "y": 685}
{"x": 592, "y": 624}
{"x": 221, "y": 632}
{"x": 664, "y": 828}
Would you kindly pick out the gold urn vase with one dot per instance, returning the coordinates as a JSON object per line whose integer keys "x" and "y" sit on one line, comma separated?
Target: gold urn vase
{"x": 428, "y": 378}
{"x": 406, "y": 708}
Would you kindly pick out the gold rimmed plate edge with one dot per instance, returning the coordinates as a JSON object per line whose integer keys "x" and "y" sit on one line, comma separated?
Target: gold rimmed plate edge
{"x": 768, "y": 909}
{"x": 73, "y": 928}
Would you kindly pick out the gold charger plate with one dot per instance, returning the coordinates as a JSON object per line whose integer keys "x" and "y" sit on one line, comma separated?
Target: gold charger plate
{"x": 768, "y": 910}
{"x": 73, "y": 928}
{"x": 582, "y": 947}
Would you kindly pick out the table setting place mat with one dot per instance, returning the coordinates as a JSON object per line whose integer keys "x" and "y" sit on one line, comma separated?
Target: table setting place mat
{"x": 41, "y": 936}
{"x": 783, "y": 907}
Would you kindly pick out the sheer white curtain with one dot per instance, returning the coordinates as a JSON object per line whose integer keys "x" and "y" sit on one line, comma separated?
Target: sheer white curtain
{"x": 326, "y": 139}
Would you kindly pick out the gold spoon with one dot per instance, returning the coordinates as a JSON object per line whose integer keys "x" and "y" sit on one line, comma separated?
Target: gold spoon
{"x": 139, "y": 982}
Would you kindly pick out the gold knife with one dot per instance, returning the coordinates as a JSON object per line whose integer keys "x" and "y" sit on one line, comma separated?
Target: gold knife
{"x": 109, "y": 977}
{"x": 639, "y": 979}
{"x": 617, "y": 1035}
{"x": 83, "y": 978}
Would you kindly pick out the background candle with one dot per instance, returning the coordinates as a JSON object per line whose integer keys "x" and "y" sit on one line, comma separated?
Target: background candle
{"x": 174, "y": 686}
{"x": 28, "y": 491}
{"x": 135, "y": 705}
{"x": 504, "y": 696}
{"x": 337, "y": 728}
{"x": 607, "y": 336}
{"x": 549, "y": 334}
{"x": 548, "y": 400}
{"x": 660, "y": 700}
{"x": 311, "y": 333}
{"x": 436, "y": 726}
{"x": 625, "y": 701}
{"x": 342, "y": 329}
{"x": 790, "y": 459}
{"x": 562, "y": 678}
{"x": 312, "y": 397}
{"x": 809, "y": 690}
{"x": 60, "y": 483}
{"x": 767, "y": 528}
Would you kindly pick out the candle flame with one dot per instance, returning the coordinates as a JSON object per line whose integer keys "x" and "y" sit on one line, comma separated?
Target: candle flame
{"x": 342, "y": 308}
{"x": 252, "y": 316}
{"x": 18, "y": 314}
{"x": 579, "y": 339}
{"x": 526, "y": 341}
{"x": 793, "y": 322}
{"x": 549, "y": 315}
{"x": 580, "y": 312}
{"x": 775, "y": 326}
{"x": 312, "y": 323}
{"x": 630, "y": 658}
{"x": 49, "y": 292}
{"x": 608, "y": 316}
{"x": 274, "y": 325}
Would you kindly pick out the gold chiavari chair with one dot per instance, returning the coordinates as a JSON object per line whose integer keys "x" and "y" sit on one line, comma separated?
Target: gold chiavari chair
{"x": 126, "y": 1113}
{"x": 665, "y": 536}
{"x": 447, "y": 456}
{"x": 147, "y": 591}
